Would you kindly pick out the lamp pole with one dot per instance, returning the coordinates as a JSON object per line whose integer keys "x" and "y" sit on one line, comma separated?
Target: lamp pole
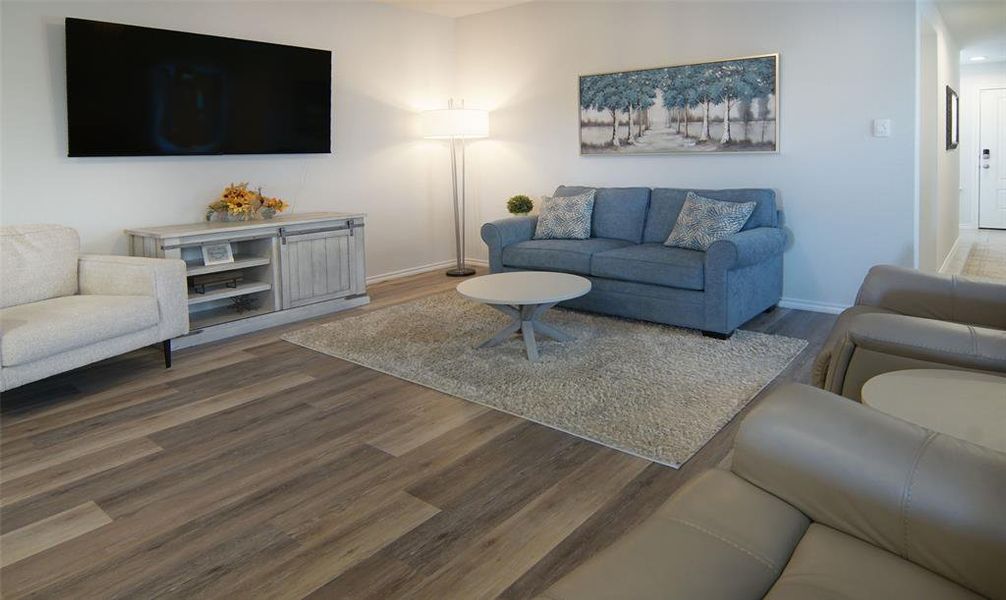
{"x": 461, "y": 269}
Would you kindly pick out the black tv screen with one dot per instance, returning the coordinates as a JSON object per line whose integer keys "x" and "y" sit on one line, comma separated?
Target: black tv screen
{"x": 137, "y": 91}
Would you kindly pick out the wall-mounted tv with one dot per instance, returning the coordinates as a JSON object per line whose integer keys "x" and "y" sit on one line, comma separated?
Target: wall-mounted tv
{"x": 137, "y": 91}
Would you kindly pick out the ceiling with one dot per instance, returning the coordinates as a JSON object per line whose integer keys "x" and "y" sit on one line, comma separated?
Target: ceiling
{"x": 978, "y": 27}
{"x": 456, "y": 8}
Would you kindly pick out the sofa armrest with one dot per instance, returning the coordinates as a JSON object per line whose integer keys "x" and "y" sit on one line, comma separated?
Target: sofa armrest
{"x": 500, "y": 234}
{"x": 934, "y": 296}
{"x": 164, "y": 279}
{"x": 925, "y": 496}
{"x": 963, "y": 346}
{"x": 746, "y": 248}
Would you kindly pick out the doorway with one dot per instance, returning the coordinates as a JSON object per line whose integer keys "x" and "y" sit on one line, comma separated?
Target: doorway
{"x": 991, "y": 166}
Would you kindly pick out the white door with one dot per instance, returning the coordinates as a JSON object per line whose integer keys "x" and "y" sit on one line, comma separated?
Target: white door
{"x": 991, "y": 162}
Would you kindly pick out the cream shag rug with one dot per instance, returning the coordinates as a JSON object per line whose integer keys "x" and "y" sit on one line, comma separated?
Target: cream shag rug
{"x": 987, "y": 261}
{"x": 654, "y": 391}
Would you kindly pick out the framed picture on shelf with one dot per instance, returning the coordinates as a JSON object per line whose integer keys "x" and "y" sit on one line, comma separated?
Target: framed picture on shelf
{"x": 217, "y": 254}
{"x": 953, "y": 119}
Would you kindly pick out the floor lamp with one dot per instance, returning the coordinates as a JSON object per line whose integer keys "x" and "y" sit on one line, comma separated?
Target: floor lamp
{"x": 457, "y": 124}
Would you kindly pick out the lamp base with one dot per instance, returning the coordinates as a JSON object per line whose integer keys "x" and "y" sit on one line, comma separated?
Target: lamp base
{"x": 462, "y": 272}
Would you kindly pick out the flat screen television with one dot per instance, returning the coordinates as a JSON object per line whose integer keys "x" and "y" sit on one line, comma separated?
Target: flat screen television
{"x": 137, "y": 91}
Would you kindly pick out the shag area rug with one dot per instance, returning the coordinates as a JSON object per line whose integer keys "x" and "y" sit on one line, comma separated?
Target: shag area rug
{"x": 654, "y": 391}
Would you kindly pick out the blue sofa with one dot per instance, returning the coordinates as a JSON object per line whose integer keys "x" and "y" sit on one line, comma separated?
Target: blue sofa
{"x": 634, "y": 275}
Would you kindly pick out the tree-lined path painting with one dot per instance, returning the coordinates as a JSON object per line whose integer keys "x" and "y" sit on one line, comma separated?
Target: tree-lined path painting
{"x": 723, "y": 106}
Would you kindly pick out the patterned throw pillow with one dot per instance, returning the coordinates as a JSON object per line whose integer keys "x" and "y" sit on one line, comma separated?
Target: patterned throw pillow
{"x": 703, "y": 221}
{"x": 565, "y": 218}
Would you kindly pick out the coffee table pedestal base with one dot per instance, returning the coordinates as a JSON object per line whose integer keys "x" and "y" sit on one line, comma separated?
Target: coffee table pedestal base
{"x": 526, "y": 320}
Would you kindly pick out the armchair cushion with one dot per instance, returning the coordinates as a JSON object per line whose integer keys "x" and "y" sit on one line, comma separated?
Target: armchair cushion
{"x": 39, "y": 262}
{"x": 652, "y": 263}
{"x": 830, "y": 564}
{"x": 41, "y": 329}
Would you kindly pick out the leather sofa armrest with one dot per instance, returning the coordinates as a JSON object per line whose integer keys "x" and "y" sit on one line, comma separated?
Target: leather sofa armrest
{"x": 934, "y": 296}
{"x": 162, "y": 278}
{"x": 928, "y": 497}
{"x": 955, "y": 344}
{"x": 746, "y": 248}
{"x": 499, "y": 234}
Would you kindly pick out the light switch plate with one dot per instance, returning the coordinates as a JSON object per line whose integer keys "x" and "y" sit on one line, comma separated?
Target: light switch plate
{"x": 881, "y": 128}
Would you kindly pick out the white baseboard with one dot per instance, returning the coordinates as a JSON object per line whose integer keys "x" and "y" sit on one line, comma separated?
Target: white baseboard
{"x": 444, "y": 264}
{"x": 951, "y": 263}
{"x": 813, "y": 306}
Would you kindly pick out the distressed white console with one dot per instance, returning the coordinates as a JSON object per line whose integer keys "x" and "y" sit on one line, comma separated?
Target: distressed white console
{"x": 291, "y": 267}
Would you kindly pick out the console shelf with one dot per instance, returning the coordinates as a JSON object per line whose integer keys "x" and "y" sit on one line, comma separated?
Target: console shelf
{"x": 240, "y": 262}
{"x": 220, "y": 293}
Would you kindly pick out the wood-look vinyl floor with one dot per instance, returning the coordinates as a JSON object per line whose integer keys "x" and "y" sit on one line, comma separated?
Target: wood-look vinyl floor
{"x": 256, "y": 468}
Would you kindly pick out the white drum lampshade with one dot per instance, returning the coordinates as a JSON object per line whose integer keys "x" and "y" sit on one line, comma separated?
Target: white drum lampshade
{"x": 456, "y": 123}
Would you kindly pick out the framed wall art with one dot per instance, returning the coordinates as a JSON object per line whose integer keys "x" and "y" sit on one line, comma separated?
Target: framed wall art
{"x": 729, "y": 105}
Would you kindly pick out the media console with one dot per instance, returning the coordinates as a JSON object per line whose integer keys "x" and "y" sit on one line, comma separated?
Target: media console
{"x": 284, "y": 269}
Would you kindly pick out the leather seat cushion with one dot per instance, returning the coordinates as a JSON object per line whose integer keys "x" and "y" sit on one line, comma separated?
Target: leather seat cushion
{"x": 41, "y": 329}
{"x": 719, "y": 537}
{"x": 656, "y": 264}
{"x": 830, "y": 564}
{"x": 569, "y": 256}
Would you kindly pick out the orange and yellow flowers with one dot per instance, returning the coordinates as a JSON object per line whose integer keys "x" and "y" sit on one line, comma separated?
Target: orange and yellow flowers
{"x": 237, "y": 202}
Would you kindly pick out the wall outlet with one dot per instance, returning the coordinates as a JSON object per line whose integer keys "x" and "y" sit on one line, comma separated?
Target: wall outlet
{"x": 881, "y": 128}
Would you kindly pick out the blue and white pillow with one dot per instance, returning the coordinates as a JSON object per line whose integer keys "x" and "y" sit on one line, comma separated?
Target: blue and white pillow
{"x": 565, "y": 218}
{"x": 703, "y": 221}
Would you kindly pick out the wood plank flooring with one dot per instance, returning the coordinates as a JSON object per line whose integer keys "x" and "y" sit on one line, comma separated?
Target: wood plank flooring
{"x": 258, "y": 469}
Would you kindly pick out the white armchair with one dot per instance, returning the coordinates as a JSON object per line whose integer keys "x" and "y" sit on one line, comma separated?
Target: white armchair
{"x": 60, "y": 310}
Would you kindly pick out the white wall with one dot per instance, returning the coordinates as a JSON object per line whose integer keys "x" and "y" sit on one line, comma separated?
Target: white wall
{"x": 939, "y": 189}
{"x": 974, "y": 78}
{"x": 848, "y": 197}
{"x": 388, "y": 63}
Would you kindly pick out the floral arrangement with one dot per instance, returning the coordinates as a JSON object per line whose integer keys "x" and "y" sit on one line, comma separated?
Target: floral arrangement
{"x": 238, "y": 203}
{"x": 519, "y": 205}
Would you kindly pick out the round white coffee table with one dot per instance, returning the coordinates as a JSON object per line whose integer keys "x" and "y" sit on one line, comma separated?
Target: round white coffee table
{"x": 524, "y": 296}
{"x": 967, "y": 405}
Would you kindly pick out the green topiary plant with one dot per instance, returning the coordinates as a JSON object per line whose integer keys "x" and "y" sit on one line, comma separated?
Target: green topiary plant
{"x": 519, "y": 205}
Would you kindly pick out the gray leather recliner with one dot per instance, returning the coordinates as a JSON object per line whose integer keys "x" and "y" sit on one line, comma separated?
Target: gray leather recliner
{"x": 825, "y": 498}
{"x": 905, "y": 319}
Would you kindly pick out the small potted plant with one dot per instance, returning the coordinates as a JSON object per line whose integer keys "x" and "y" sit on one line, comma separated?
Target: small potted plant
{"x": 519, "y": 205}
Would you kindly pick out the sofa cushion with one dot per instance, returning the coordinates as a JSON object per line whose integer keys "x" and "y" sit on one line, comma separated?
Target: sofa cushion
{"x": 619, "y": 213}
{"x": 652, "y": 263}
{"x": 39, "y": 262}
{"x": 666, "y": 203}
{"x": 41, "y": 329}
{"x": 830, "y": 564}
{"x": 570, "y": 256}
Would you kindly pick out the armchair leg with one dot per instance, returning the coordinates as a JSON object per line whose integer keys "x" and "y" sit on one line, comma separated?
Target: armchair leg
{"x": 717, "y": 335}
{"x": 166, "y": 345}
